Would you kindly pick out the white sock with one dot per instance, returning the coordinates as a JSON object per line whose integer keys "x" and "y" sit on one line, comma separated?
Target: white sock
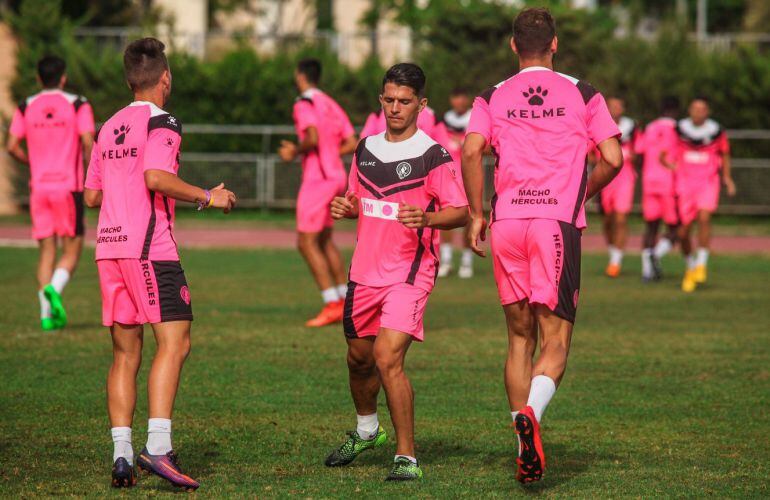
{"x": 646, "y": 264}
{"x": 663, "y": 247}
{"x": 411, "y": 459}
{"x": 446, "y": 253}
{"x": 467, "y": 258}
{"x": 368, "y": 425}
{"x": 342, "y": 291}
{"x": 541, "y": 391}
{"x": 691, "y": 261}
{"x": 60, "y": 279}
{"x": 45, "y": 306}
{"x": 121, "y": 439}
{"x": 159, "y": 436}
{"x": 616, "y": 255}
{"x": 702, "y": 256}
{"x": 330, "y": 295}
{"x": 518, "y": 439}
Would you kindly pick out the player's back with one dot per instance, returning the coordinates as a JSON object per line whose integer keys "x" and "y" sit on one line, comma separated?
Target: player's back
{"x": 540, "y": 125}
{"x": 135, "y": 222}
{"x": 52, "y": 123}
{"x": 334, "y": 127}
{"x": 659, "y": 136}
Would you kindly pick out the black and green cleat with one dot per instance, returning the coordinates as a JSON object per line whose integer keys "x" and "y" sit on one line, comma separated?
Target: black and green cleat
{"x": 404, "y": 470}
{"x": 58, "y": 313}
{"x": 353, "y": 447}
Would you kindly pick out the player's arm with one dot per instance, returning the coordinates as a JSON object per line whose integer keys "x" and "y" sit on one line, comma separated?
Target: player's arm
{"x": 92, "y": 194}
{"x": 172, "y": 186}
{"x": 446, "y": 218}
{"x": 473, "y": 177}
{"x": 289, "y": 150}
{"x": 606, "y": 168}
{"x": 348, "y": 145}
{"x": 14, "y": 149}
{"x": 345, "y": 207}
{"x": 92, "y": 197}
{"x": 727, "y": 176}
{"x": 443, "y": 186}
{"x": 87, "y": 140}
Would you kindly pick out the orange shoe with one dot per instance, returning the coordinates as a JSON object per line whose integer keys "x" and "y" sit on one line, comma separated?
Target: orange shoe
{"x": 613, "y": 270}
{"x": 331, "y": 313}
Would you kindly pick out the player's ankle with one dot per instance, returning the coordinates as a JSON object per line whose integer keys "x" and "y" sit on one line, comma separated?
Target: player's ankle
{"x": 122, "y": 448}
{"x": 159, "y": 436}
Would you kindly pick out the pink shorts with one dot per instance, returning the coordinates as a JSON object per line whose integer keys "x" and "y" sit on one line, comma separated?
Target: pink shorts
{"x": 58, "y": 213}
{"x": 657, "y": 206}
{"x": 537, "y": 260}
{"x": 314, "y": 204}
{"x": 398, "y": 307}
{"x": 135, "y": 292}
{"x": 704, "y": 197}
{"x": 618, "y": 195}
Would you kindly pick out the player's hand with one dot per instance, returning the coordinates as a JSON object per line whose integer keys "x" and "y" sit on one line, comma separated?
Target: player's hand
{"x": 222, "y": 198}
{"x": 344, "y": 207}
{"x": 287, "y": 151}
{"x": 412, "y": 217}
{"x": 730, "y": 186}
{"x": 477, "y": 230}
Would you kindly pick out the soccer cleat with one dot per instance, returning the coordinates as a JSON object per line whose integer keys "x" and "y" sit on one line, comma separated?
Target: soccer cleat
{"x": 354, "y": 446}
{"x": 444, "y": 270}
{"x": 531, "y": 459}
{"x": 58, "y": 313}
{"x": 167, "y": 467}
{"x": 613, "y": 270}
{"x": 404, "y": 470}
{"x": 123, "y": 474}
{"x": 49, "y": 324}
{"x": 688, "y": 282}
{"x": 331, "y": 313}
{"x": 657, "y": 269}
{"x": 700, "y": 274}
{"x": 465, "y": 272}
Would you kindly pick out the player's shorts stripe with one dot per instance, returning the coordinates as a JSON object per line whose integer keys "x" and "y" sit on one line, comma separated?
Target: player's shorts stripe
{"x": 150, "y": 228}
{"x": 168, "y": 218}
{"x": 369, "y": 188}
{"x": 173, "y": 294}
{"x": 77, "y": 197}
{"x": 348, "y": 326}
{"x": 405, "y": 187}
{"x": 569, "y": 280}
{"x": 420, "y": 249}
{"x": 581, "y": 193}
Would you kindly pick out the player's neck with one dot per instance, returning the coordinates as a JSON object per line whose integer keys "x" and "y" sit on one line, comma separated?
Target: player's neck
{"x": 543, "y": 62}
{"x": 154, "y": 96}
{"x": 400, "y": 135}
{"x": 305, "y": 87}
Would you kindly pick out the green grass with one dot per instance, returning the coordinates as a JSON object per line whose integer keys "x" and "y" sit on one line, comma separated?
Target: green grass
{"x": 666, "y": 394}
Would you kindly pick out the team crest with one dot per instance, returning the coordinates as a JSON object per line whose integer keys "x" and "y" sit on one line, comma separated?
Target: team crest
{"x": 403, "y": 170}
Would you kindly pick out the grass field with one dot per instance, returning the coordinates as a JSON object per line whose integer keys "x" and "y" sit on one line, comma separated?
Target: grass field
{"x": 666, "y": 394}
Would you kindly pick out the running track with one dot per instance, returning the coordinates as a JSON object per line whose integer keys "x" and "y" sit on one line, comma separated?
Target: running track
{"x": 19, "y": 236}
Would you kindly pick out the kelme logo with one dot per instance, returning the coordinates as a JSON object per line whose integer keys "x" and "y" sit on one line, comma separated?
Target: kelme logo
{"x": 120, "y": 133}
{"x": 535, "y": 96}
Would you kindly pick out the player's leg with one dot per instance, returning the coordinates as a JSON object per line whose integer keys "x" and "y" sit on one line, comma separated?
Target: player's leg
{"x": 465, "y": 270}
{"x": 335, "y": 262}
{"x": 649, "y": 269}
{"x": 522, "y": 341}
{"x": 704, "y": 243}
{"x": 121, "y": 398}
{"x": 309, "y": 245}
{"x": 688, "y": 281}
{"x": 446, "y": 250}
{"x": 619, "y": 236}
{"x": 45, "y": 265}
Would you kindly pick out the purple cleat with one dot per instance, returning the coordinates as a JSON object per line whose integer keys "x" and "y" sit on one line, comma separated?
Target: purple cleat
{"x": 167, "y": 467}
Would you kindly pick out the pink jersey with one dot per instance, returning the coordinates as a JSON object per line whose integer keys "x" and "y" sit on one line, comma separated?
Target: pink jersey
{"x": 385, "y": 175}
{"x": 426, "y": 121}
{"x": 456, "y": 125}
{"x": 698, "y": 153}
{"x": 316, "y": 109}
{"x": 658, "y": 137}
{"x": 52, "y": 122}
{"x": 134, "y": 222}
{"x": 541, "y": 125}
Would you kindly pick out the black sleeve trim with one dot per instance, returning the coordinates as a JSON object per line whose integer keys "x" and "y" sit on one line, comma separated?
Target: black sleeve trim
{"x": 487, "y": 94}
{"x": 360, "y": 148}
{"x": 23, "y": 107}
{"x": 165, "y": 121}
{"x": 586, "y": 90}
{"x": 79, "y": 102}
{"x": 436, "y": 156}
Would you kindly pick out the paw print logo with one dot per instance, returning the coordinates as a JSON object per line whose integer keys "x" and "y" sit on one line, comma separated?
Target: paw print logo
{"x": 169, "y": 141}
{"x": 535, "y": 96}
{"x": 49, "y": 112}
{"x": 120, "y": 133}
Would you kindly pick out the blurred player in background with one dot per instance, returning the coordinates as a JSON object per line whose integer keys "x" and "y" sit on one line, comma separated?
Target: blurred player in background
{"x": 59, "y": 130}
{"x": 403, "y": 188}
{"x": 617, "y": 198}
{"x": 540, "y": 124}
{"x": 456, "y": 121}
{"x": 658, "y": 196}
{"x": 132, "y": 177}
{"x": 701, "y": 157}
{"x": 325, "y": 133}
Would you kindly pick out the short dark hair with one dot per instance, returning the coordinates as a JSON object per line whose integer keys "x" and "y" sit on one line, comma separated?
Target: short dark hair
{"x": 701, "y": 97}
{"x": 50, "y": 69}
{"x": 144, "y": 63}
{"x": 669, "y": 105}
{"x": 406, "y": 74}
{"x": 533, "y": 31}
{"x": 459, "y": 91}
{"x": 311, "y": 68}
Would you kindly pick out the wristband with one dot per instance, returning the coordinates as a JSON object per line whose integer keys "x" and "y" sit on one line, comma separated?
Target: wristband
{"x": 207, "y": 203}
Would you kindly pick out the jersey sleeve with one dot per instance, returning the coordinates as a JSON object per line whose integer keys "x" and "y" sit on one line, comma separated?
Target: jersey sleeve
{"x": 600, "y": 124}
{"x": 347, "y": 127}
{"x": 18, "y": 127}
{"x": 162, "y": 150}
{"x": 444, "y": 185}
{"x": 304, "y": 115}
{"x": 353, "y": 176}
{"x": 723, "y": 143}
{"x": 481, "y": 119}
{"x": 85, "y": 119}
{"x": 638, "y": 146}
{"x": 369, "y": 126}
{"x": 94, "y": 174}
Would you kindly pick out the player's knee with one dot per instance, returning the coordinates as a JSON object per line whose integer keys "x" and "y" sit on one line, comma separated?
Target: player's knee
{"x": 306, "y": 243}
{"x": 360, "y": 364}
{"x": 389, "y": 364}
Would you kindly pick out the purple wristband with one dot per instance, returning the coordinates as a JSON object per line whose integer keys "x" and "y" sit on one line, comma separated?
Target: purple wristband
{"x": 205, "y": 204}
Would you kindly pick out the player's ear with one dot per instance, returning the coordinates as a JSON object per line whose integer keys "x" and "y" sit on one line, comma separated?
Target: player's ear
{"x": 513, "y": 47}
{"x": 554, "y": 44}
{"x": 63, "y": 80}
{"x": 423, "y": 102}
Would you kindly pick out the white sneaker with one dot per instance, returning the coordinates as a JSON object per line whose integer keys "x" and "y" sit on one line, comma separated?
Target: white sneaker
{"x": 444, "y": 270}
{"x": 465, "y": 272}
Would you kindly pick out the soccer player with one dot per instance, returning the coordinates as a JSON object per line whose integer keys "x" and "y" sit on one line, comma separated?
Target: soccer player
{"x": 540, "y": 125}
{"x": 456, "y": 121}
{"x": 658, "y": 198}
{"x": 325, "y": 133}
{"x": 701, "y": 154}
{"x": 617, "y": 198}
{"x": 403, "y": 188}
{"x": 132, "y": 176}
{"x": 59, "y": 130}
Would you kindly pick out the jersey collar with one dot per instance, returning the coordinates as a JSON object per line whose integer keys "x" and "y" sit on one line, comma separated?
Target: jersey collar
{"x": 534, "y": 68}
